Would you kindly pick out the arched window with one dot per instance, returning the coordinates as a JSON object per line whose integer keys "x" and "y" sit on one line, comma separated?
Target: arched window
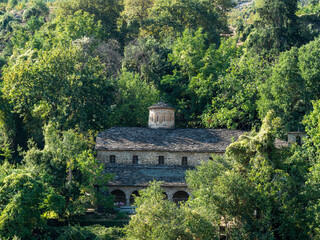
{"x": 180, "y": 196}
{"x": 119, "y": 197}
{"x": 133, "y": 195}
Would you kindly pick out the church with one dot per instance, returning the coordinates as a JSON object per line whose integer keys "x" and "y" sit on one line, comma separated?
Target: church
{"x": 137, "y": 156}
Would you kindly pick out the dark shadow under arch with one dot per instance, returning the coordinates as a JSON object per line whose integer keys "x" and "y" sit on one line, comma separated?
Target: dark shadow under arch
{"x": 180, "y": 196}
{"x": 119, "y": 197}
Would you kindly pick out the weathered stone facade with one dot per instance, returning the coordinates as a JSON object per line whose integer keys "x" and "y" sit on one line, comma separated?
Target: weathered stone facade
{"x": 152, "y": 157}
{"x": 161, "y": 115}
{"x": 137, "y": 156}
{"x": 130, "y": 191}
{"x": 296, "y": 137}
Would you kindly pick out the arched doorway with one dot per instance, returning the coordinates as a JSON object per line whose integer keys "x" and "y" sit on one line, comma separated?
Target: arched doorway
{"x": 119, "y": 197}
{"x": 180, "y": 196}
{"x": 133, "y": 195}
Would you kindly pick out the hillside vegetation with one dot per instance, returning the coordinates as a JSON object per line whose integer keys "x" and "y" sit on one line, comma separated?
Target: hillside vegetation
{"x": 72, "y": 68}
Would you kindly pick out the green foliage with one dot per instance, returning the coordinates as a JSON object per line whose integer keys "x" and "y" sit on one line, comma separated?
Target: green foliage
{"x": 163, "y": 18}
{"x": 309, "y": 64}
{"x": 38, "y": 8}
{"x": 292, "y": 85}
{"x": 133, "y": 95}
{"x": 157, "y": 218}
{"x": 147, "y": 57}
{"x": 84, "y": 91}
{"x": 95, "y": 232}
{"x": 107, "y": 12}
{"x": 285, "y": 91}
{"x": 72, "y": 171}
{"x": 195, "y": 81}
{"x": 21, "y": 196}
{"x": 276, "y": 30}
{"x": 235, "y": 104}
{"x": 258, "y": 188}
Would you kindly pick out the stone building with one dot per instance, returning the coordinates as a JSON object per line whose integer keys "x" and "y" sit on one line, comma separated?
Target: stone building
{"x": 160, "y": 152}
{"x": 296, "y": 137}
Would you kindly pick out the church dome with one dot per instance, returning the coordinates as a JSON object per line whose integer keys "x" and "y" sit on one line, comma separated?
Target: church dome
{"x": 161, "y": 115}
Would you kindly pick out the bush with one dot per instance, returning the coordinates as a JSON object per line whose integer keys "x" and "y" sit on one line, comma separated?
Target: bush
{"x": 94, "y": 232}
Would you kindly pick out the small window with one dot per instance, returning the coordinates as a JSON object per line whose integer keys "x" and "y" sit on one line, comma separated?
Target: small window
{"x": 135, "y": 159}
{"x": 161, "y": 160}
{"x": 112, "y": 159}
{"x": 184, "y": 161}
{"x": 298, "y": 140}
{"x": 157, "y": 118}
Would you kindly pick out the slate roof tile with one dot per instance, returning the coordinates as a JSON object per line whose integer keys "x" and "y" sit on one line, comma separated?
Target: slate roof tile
{"x": 174, "y": 140}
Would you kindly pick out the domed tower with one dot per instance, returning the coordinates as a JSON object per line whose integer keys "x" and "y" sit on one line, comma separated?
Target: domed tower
{"x": 161, "y": 115}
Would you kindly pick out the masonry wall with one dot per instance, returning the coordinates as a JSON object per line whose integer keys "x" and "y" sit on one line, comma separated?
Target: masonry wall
{"x": 128, "y": 191}
{"x": 161, "y": 118}
{"x": 292, "y": 137}
{"x": 150, "y": 157}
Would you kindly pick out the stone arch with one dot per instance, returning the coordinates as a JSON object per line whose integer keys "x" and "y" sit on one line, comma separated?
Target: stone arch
{"x": 133, "y": 195}
{"x": 180, "y": 196}
{"x": 119, "y": 197}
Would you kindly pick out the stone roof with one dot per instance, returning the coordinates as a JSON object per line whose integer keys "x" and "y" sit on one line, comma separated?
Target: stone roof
{"x": 141, "y": 175}
{"x": 160, "y": 105}
{"x": 175, "y": 140}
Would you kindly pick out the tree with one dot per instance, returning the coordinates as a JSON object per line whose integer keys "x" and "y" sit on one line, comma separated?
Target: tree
{"x": 292, "y": 85}
{"x": 257, "y": 188}
{"x": 235, "y": 103}
{"x": 285, "y": 91}
{"x": 107, "y": 12}
{"x": 309, "y": 65}
{"x": 133, "y": 95}
{"x": 170, "y": 18}
{"x": 148, "y": 58}
{"x": 72, "y": 171}
{"x": 194, "y": 82}
{"x": 22, "y": 195}
{"x": 59, "y": 85}
{"x": 277, "y": 28}
{"x": 158, "y": 218}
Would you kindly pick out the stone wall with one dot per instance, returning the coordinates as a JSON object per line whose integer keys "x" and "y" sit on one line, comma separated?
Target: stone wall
{"x": 150, "y": 157}
{"x": 296, "y": 137}
{"x": 161, "y": 118}
{"x": 128, "y": 190}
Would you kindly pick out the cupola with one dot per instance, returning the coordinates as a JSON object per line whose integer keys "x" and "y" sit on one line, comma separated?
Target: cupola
{"x": 161, "y": 115}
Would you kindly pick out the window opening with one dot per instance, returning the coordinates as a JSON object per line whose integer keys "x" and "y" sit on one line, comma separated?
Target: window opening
{"x": 298, "y": 140}
{"x": 184, "y": 161}
{"x": 161, "y": 160}
{"x": 135, "y": 160}
{"x": 112, "y": 159}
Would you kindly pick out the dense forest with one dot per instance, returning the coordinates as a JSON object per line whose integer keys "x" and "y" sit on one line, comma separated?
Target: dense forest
{"x": 72, "y": 68}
